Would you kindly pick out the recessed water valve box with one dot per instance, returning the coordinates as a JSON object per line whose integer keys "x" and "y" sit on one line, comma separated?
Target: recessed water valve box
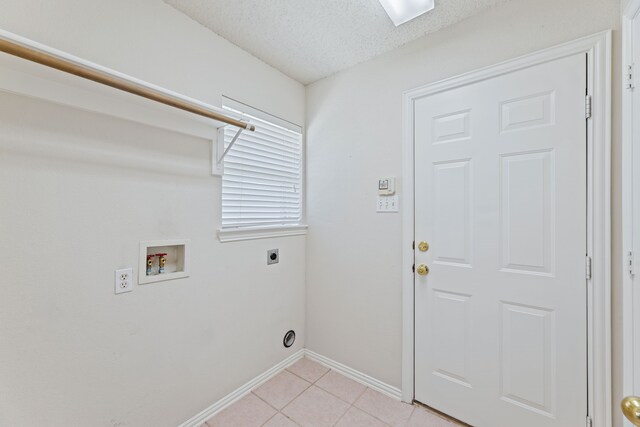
{"x": 162, "y": 260}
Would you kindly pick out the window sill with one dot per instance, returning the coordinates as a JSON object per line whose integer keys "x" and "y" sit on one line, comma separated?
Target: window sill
{"x": 252, "y": 233}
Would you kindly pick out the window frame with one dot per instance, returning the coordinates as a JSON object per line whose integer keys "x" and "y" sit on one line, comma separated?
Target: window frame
{"x": 233, "y": 234}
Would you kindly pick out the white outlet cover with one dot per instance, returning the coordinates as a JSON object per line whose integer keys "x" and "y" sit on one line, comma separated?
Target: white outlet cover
{"x": 387, "y": 204}
{"x": 123, "y": 280}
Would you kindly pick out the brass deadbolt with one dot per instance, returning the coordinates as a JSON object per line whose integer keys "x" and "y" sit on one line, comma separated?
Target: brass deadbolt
{"x": 631, "y": 409}
{"x": 423, "y": 246}
{"x": 422, "y": 270}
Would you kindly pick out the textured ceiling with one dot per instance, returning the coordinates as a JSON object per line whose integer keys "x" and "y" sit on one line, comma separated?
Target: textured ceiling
{"x": 311, "y": 39}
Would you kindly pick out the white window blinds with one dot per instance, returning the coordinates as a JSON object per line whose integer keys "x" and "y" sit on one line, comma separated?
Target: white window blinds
{"x": 261, "y": 183}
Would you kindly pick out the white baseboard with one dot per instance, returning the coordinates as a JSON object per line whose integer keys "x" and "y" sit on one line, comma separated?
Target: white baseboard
{"x": 358, "y": 376}
{"x": 234, "y": 396}
{"x": 239, "y": 393}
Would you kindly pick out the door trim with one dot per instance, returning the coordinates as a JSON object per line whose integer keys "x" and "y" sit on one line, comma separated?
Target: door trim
{"x": 629, "y": 12}
{"x": 598, "y": 50}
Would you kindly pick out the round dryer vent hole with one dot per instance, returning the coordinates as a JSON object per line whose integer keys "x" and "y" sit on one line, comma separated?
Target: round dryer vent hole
{"x": 289, "y": 339}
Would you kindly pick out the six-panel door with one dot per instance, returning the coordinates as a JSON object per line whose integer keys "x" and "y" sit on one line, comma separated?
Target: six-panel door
{"x": 500, "y": 196}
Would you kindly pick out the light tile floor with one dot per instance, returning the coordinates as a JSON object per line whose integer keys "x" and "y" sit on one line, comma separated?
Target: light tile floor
{"x": 310, "y": 394}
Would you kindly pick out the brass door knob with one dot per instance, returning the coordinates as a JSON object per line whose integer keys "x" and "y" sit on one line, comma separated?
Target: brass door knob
{"x": 631, "y": 409}
{"x": 423, "y": 246}
{"x": 422, "y": 270}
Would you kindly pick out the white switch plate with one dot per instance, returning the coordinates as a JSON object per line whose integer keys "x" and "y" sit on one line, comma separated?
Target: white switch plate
{"x": 387, "y": 204}
{"x": 124, "y": 280}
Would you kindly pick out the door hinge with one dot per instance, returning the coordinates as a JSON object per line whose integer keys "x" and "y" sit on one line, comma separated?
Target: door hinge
{"x": 589, "y": 422}
{"x": 630, "y": 262}
{"x": 413, "y": 245}
{"x": 588, "y": 267}
{"x": 587, "y": 107}
{"x": 413, "y": 268}
{"x": 629, "y": 82}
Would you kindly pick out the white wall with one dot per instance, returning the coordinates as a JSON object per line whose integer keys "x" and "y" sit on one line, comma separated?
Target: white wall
{"x": 354, "y": 127}
{"x": 78, "y": 192}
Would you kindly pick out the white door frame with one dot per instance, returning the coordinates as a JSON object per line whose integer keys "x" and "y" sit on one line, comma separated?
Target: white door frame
{"x": 598, "y": 50}
{"x": 629, "y": 11}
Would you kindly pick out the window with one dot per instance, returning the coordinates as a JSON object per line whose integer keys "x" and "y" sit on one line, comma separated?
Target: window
{"x": 262, "y": 179}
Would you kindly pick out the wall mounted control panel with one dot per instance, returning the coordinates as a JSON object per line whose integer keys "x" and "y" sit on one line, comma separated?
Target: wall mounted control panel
{"x": 387, "y": 197}
{"x": 386, "y": 186}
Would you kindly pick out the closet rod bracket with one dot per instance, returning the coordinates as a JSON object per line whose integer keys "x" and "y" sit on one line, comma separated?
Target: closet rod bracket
{"x": 233, "y": 141}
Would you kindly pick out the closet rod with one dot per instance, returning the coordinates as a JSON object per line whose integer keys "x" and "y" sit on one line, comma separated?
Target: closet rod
{"x": 31, "y": 51}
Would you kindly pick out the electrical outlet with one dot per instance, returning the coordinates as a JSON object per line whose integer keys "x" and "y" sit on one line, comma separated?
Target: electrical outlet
{"x": 124, "y": 280}
{"x": 273, "y": 257}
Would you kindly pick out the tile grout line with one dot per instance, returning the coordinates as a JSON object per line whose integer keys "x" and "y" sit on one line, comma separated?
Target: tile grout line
{"x": 350, "y": 404}
{"x": 315, "y": 383}
{"x": 270, "y": 405}
{"x": 306, "y": 388}
{"x": 323, "y": 375}
{"x": 370, "y": 414}
{"x": 342, "y": 416}
{"x": 360, "y": 395}
{"x": 312, "y": 382}
{"x": 272, "y": 417}
{"x": 288, "y": 403}
{"x": 309, "y": 384}
{"x": 336, "y": 396}
{"x": 279, "y": 411}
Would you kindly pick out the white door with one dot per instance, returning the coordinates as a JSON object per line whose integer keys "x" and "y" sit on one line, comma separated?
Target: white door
{"x": 632, "y": 244}
{"x": 500, "y": 197}
{"x": 635, "y": 111}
